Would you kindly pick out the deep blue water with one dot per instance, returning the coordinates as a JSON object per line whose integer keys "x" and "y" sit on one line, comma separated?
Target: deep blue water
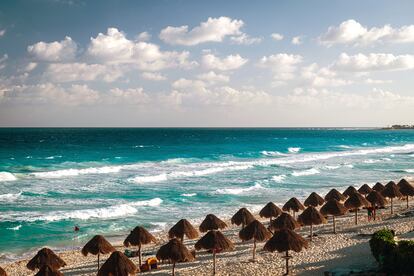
{"x": 110, "y": 180}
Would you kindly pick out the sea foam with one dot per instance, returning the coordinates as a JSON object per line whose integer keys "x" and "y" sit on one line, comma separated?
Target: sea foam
{"x": 237, "y": 191}
{"x": 6, "y": 176}
{"x": 294, "y": 150}
{"x": 311, "y": 171}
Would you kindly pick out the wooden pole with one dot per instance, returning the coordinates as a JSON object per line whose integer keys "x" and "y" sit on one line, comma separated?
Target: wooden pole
{"x": 287, "y": 262}
{"x": 334, "y": 224}
{"x": 173, "y": 272}
{"x": 407, "y": 202}
{"x": 356, "y": 216}
{"x": 98, "y": 261}
{"x": 392, "y": 209}
{"x": 254, "y": 249}
{"x": 214, "y": 261}
{"x": 139, "y": 253}
{"x": 311, "y": 231}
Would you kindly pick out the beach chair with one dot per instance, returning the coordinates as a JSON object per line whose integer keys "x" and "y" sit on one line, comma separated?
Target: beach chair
{"x": 149, "y": 264}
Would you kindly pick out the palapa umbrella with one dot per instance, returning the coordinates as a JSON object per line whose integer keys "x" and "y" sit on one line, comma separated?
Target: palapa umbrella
{"x": 138, "y": 237}
{"x": 2, "y": 272}
{"x": 96, "y": 246}
{"x": 391, "y": 191}
{"x": 47, "y": 271}
{"x": 215, "y": 241}
{"x": 406, "y": 189}
{"x": 181, "y": 228}
{"x": 334, "y": 194}
{"x": 45, "y": 256}
{"x": 349, "y": 191}
{"x": 294, "y": 205}
{"x": 365, "y": 189}
{"x": 255, "y": 231}
{"x": 356, "y": 201}
{"x": 270, "y": 211}
{"x": 284, "y": 221}
{"x": 174, "y": 251}
{"x": 378, "y": 187}
{"x": 211, "y": 222}
{"x": 314, "y": 200}
{"x": 377, "y": 200}
{"x": 334, "y": 208}
{"x": 242, "y": 217}
{"x": 311, "y": 216}
{"x": 118, "y": 265}
{"x": 285, "y": 240}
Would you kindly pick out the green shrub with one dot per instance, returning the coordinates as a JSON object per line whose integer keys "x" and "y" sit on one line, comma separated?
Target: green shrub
{"x": 381, "y": 243}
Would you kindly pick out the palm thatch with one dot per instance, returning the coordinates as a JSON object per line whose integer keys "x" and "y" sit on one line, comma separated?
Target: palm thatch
{"x": 96, "y": 246}
{"x": 377, "y": 200}
{"x": 311, "y": 216}
{"x": 349, "y": 191}
{"x": 334, "y": 194}
{"x": 211, "y": 222}
{"x": 314, "y": 200}
{"x": 2, "y": 272}
{"x": 294, "y": 205}
{"x": 118, "y": 265}
{"x": 48, "y": 271}
{"x": 356, "y": 201}
{"x": 378, "y": 187}
{"x": 406, "y": 189}
{"x": 284, "y": 221}
{"x": 215, "y": 241}
{"x": 138, "y": 237}
{"x": 255, "y": 231}
{"x": 181, "y": 228}
{"x": 365, "y": 189}
{"x": 174, "y": 251}
{"x": 242, "y": 217}
{"x": 270, "y": 211}
{"x": 334, "y": 208}
{"x": 285, "y": 240}
{"x": 45, "y": 256}
{"x": 391, "y": 191}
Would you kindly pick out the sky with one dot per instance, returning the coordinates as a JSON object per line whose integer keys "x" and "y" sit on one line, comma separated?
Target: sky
{"x": 183, "y": 63}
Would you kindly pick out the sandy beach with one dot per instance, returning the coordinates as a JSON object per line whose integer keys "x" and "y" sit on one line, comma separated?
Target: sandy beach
{"x": 348, "y": 250}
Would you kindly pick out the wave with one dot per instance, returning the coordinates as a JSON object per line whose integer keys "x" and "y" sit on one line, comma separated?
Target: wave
{"x": 16, "y": 228}
{"x": 306, "y": 172}
{"x": 189, "y": 195}
{"x": 7, "y": 176}
{"x": 344, "y": 146}
{"x": 53, "y": 157}
{"x": 122, "y": 210}
{"x": 10, "y": 196}
{"x": 237, "y": 191}
{"x": 150, "y": 178}
{"x": 279, "y": 178}
{"x": 272, "y": 153}
{"x": 409, "y": 170}
{"x": 294, "y": 150}
{"x": 332, "y": 167}
{"x": 76, "y": 172}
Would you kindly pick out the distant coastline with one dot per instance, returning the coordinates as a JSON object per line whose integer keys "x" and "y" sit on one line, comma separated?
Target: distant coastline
{"x": 400, "y": 127}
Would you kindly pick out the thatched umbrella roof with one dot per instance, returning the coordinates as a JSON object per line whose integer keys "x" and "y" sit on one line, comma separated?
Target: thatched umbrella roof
{"x": 181, "y": 228}
{"x": 284, "y": 221}
{"x": 349, "y": 191}
{"x": 285, "y": 240}
{"x": 294, "y": 205}
{"x": 97, "y": 245}
{"x": 405, "y": 188}
{"x": 314, "y": 200}
{"x": 48, "y": 271}
{"x": 311, "y": 216}
{"x": 45, "y": 256}
{"x": 211, "y": 222}
{"x": 378, "y": 187}
{"x": 242, "y": 217}
{"x": 174, "y": 251}
{"x": 365, "y": 189}
{"x": 334, "y": 194}
{"x": 2, "y": 272}
{"x": 270, "y": 211}
{"x": 214, "y": 240}
{"x": 254, "y": 230}
{"x": 139, "y": 236}
{"x": 334, "y": 208}
{"x": 356, "y": 201}
{"x": 118, "y": 264}
{"x": 391, "y": 190}
{"x": 376, "y": 199}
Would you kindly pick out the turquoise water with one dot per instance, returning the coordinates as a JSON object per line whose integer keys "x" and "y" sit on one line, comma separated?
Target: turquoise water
{"x": 110, "y": 180}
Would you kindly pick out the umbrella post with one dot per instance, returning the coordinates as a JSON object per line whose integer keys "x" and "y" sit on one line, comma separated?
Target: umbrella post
{"x": 173, "y": 269}
{"x": 334, "y": 224}
{"x": 392, "y": 209}
{"x": 311, "y": 231}
{"x": 139, "y": 254}
{"x": 254, "y": 249}
{"x": 356, "y": 216}
{"x": 407, "y": 202}
{"x": 214, "y": 261}
{"x": 287, "y": 257}
{"x": 98, "y": 261}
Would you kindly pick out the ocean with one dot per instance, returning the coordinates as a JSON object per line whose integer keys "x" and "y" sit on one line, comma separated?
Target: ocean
{"x": 109, "y": 180}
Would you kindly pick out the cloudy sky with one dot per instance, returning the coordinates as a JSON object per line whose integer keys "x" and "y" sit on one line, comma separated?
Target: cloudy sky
{"x": 206, "y": 63}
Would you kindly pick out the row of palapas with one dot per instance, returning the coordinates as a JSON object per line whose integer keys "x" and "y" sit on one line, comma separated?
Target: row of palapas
{"x": 281, "y": 223}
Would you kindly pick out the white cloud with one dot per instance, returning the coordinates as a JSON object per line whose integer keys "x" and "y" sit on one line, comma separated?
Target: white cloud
{"x": 245, "y": 39}
{"x": 144, "y": 36}
{"x": 153, "y": 76}
{"x": 297, "y": 40}
{"x": 374, "y": 81}
{"x": 321, "y": 77}
{"x": 212, "y": 77}
{"x": 352, "y": 32}
{"x": 3, "y": 61}
{"x": 374, "y": 62}
{"x": 129, "y": 96}
{"x": 2, "y": 32}
{"x": 30, "y": 66}
{"x": 64, "y": 50}
{"x": 69, "y": 72}
{"x": 276, "y": 36}
{"x": 212, "y": 30}
{"x": 283, "y": 66}
{"x": 231, "y": 62}
{"x": 115, "y": 48}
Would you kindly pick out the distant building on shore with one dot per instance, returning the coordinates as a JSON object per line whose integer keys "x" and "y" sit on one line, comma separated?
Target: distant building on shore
{"x": 400, "y": 127}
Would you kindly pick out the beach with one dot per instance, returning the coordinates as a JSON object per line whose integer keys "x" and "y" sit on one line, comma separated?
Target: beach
{"x": 345, "y": 251}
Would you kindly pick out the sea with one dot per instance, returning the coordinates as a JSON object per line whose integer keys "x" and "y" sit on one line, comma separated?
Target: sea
{"x": 109, "y": 180}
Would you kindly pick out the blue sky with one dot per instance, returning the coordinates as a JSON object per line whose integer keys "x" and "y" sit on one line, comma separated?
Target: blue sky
{"x": 206, "y": 63}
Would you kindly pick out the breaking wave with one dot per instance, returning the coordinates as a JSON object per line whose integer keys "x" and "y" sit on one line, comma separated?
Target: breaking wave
{"x": 237, "y": 191}
{"x": 306, "y": 172}
{"x": 6, "y": 176}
